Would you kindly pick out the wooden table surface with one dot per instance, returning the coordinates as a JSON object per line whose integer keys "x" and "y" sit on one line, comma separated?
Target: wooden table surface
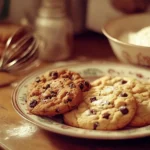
{"x": 18, "y": 134}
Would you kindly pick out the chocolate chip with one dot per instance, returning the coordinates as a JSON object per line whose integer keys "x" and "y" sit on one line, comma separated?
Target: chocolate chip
{"x": 87, "y": 84}
{"x": 68, "y": 100}
{"x": 92, "y": 99}
{"x": 37, "y": 79}
{"x": 124, "y": 110}
{"x": 54, "y": 74}
{"x": 57, "y": 110}
{"x": 33, "y": 103}
{"x": 72, "y": 85}
{"x": 93, "y": 111}
{"x": 69, "y": 77}
{"x": 124, "y": 95}
{"x": 48, "y": 97}
{"x": 95, "y": 125}
{"x": 44, "y": 79}
{"x": 53, "y": 94}
{"x": 106, "y": 115}
{"x": 47, "y": 86}
{"x": 123, "y": 82}
{"x": 81, "y": 86}
{"x": 84, "y": 86}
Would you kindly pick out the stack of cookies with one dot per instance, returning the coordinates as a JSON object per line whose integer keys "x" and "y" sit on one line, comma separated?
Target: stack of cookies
{"x": 108, "y": 103}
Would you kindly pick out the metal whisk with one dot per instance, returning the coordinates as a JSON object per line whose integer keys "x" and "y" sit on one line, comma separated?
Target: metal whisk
{"x": 21, "y": 49}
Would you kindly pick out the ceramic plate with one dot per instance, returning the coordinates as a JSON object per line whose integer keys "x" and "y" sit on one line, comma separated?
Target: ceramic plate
{"x": 90, "y": 71}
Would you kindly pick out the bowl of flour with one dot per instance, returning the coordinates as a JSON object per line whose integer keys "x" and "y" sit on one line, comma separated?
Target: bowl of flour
{"x": 141, "y": 37}
{"x": 129, "y": 37}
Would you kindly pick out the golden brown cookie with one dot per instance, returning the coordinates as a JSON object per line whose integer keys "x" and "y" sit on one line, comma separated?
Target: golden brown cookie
{"x": 141, "y": 92}
{"x": 56, "y": 92}
{"x": 105, "y": 107}
{"x": 66, "y": 74}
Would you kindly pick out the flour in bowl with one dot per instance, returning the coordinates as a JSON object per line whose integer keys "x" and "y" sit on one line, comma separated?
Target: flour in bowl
{"x": 141, "y": 37}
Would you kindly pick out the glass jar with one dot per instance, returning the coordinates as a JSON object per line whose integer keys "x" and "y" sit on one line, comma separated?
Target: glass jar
{"x": 54, "y": 26}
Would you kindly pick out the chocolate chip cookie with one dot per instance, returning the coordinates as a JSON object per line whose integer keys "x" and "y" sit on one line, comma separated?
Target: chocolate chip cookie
{"x": 56, "y": 92}
{"x": 141, "y": 92}
{"x": 106, "y": 106}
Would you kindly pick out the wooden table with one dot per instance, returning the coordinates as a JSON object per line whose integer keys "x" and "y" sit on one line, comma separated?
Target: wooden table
{"x": 18, "y": 134}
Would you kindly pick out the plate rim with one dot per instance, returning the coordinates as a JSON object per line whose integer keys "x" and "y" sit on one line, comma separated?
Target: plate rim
{"x": 51, "y": 129}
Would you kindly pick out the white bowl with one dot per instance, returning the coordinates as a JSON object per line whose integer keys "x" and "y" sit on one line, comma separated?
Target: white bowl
{"x": 127, "y": 52}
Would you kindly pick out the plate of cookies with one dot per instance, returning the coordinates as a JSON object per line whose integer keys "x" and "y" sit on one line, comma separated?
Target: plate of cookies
{"x": 90, "y": 100}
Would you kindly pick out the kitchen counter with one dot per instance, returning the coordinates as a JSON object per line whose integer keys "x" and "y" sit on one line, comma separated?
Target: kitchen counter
{"x": 17, "y": 133}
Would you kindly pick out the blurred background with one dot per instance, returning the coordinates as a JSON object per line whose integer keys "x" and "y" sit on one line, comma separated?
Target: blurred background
{"x": 85, "y": 15}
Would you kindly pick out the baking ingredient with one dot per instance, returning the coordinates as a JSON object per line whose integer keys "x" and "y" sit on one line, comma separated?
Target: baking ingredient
{"x": 140, "y": 37}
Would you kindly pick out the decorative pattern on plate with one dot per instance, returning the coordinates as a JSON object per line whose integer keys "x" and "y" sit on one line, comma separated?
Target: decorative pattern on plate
{"x": 90, "y": 71}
